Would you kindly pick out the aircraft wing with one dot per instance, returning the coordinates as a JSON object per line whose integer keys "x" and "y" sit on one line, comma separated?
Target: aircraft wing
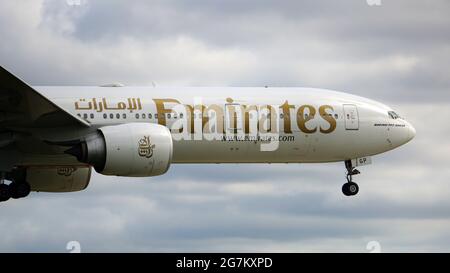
{"x": 21, "y": 106}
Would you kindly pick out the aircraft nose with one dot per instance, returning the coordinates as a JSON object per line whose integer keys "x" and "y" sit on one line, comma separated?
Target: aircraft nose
{"x": 411, "y": 131}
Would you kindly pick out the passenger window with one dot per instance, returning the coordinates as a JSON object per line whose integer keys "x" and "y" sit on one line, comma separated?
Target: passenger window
{"x": 92, "y": 116}
{"x": 137, "y": 116}
{"x": 111, "y": 116}
{"x": 118, "y": 116}
{"x": 85, "y": 116}
{"x": 124, "y": 116}
{"x": 105, "y": 116}
{"x": 149, "y": 116}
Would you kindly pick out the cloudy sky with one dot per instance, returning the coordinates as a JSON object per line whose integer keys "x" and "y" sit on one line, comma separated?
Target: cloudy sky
{"x": 397, "y": 53}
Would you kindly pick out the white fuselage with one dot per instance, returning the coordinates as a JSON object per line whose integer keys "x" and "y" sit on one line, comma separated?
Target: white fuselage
{"x": 224, "y": 125}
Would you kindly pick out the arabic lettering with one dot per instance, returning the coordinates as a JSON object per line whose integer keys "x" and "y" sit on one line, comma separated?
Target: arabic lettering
{"x": 102, "y": 105}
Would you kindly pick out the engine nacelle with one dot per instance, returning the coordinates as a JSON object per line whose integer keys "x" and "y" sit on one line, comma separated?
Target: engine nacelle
{"x": 58, "y": 178}
{"x": 133, "y": 149}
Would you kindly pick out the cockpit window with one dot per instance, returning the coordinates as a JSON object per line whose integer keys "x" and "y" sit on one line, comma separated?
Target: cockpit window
{"x": 393, "y": 115}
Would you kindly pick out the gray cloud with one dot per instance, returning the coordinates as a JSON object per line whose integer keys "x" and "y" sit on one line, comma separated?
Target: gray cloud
{"x": 396, "y": 53}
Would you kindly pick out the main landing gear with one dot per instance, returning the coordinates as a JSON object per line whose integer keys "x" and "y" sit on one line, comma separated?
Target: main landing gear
{"x": 350, "y": 188}
{"x": 16, "y": 189}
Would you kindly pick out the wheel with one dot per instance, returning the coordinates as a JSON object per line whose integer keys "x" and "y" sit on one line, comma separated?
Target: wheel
{"x": 350, "y": 188}
{"x": 5, "y": 193}
{"x": 345, "y": 190}
{"x": 353, "y": 188}
{"x": 19, "y": 189}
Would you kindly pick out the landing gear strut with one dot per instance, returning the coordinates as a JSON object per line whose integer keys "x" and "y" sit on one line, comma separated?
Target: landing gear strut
{"x": 350, "y": 188}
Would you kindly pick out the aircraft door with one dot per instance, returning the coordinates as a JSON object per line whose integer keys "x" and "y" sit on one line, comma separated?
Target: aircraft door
{"x": 351, "y": 117}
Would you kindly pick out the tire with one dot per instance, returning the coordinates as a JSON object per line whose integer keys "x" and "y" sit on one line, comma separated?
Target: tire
{"x": 350, "y": 189}
{"x": 5, "y": 192}
{"x": 345, "y": 190}
{"x": 19, "y": 190}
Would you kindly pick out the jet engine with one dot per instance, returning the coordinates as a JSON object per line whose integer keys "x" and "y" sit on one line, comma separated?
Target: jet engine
{"x": 58, "y": 178}
{"x": 133, "y": 149}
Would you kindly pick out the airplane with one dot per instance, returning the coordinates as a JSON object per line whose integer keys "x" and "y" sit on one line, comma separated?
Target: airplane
{"x": 51, "y": 137}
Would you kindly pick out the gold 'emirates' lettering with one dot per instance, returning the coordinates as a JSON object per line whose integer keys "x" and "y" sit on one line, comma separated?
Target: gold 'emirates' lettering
{"x": 328, "y": 118}
{"x": 162, "y": 111}
{"x": 248, "y": 110}
{"x": 305, "y": 114}
{"x": 213, "y": 115}
{"x": 191, "y": 116}
{"x": 214, "y": 123}
{"x": 303, "y": 118}
{"x": 286, "y": 107}
{"x": 267, "y": 123}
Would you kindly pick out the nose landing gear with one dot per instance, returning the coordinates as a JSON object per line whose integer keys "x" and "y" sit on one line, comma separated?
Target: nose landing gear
{"x": 350, "y": 188}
